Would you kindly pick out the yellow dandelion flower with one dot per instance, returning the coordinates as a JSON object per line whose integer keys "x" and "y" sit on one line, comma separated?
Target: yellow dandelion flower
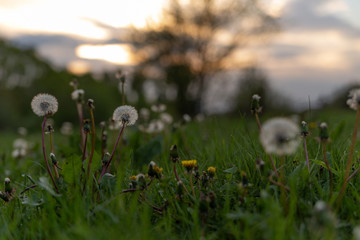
{"x": 189, "y": 164}
{"x": 133, "y": 178}
{"x": 211, "y": 171}
{"x": 158, "y": 169}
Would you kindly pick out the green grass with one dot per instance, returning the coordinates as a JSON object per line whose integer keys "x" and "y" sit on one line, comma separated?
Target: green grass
{"x": 255, "y": 211}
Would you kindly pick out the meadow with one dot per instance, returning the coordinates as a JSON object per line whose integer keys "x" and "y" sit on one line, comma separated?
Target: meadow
{"x": 230, "y": 192}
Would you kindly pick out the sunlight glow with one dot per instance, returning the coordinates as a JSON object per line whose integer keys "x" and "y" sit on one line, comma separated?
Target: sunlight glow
{"x": 275, "y": 7}
{"x": 78, "y": 67}
{"x": 113, "y": 53}
{"x": 78, "y": 18}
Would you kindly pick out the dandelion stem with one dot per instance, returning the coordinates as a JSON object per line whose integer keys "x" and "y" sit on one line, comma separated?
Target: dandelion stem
{"x": 123, "y": 93}
{"x": 52, "y": 150}
{"x": 352, "y": 175}
{"x": 258, "y": 121}
{"x": 176, "y": 175}
{"x": 306, "y": 155}
{"x": 273, "y": 165}
{"x": 93, "y": 142}
{"x": 283, "y": 184}
{"x": 328, "y": 167}
{"x": 51, "y": 142}
{"x": 112, "y": 154}
{"x": 80, "y": 113}
{"x": 349, "y": 162}
{"x": 84, "y": 149}
{"x": 56, "y": 171}
{"x": 28, "y": 188}
{"x": 103, "y": 142}
{"x": 277, "y": 183}
{"x": 45, "y": 157}
{"x": 191, "y": 184}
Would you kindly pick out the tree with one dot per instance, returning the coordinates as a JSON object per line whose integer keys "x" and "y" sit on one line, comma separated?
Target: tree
{"x": 199, "y": 37}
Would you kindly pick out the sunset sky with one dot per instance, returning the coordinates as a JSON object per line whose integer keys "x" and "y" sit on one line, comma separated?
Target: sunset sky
{"x": 317, "y": 50}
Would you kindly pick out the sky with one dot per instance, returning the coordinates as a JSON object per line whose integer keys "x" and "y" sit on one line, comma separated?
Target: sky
{"x": 316, "y": 52}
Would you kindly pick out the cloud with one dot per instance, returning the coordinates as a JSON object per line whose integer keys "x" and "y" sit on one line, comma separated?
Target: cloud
{"x": 316, "y": 52}
{"x": 315, "y": 15}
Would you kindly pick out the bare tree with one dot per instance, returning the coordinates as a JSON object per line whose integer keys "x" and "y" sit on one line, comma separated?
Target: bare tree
{"x": 200, "y": 37}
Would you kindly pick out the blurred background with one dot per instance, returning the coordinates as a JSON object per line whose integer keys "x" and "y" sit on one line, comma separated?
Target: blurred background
{"x": 197, "y": 57}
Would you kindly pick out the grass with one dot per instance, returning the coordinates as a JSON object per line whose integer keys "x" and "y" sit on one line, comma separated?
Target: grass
{"x": 240, "y": 203}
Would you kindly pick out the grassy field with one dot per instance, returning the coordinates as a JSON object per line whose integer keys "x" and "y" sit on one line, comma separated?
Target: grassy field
{"x": 240, "y": 202}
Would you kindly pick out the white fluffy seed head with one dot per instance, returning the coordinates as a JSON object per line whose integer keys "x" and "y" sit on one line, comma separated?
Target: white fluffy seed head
{"x": 166, "y": 118}
{"x": 66, "y": 128}
{"x": 125, "y": 115}
{"x": 44, "y": 104}
{"x": 155, "y": 126}
{"x": 140, "y": 176}
{"x": 187, "y": 118}
{"x": 354, "y": 98}
{"x": 77, "y": 94}
{"x": 323, "y": 125}
{"x": 256, "y": 97}
{"x": 280, "y": 136}
{"x": 158, "y": 108}
{"x": 7, "y": 180}
{"x": 356, "y": 233}
{"x": 320, "y": 206}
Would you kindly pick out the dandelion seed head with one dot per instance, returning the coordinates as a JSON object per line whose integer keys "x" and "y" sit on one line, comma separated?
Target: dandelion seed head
{"x": 356, "y": 233}
{"x": 323, "y": 133}
{"x": 66, "y": 128}
{"x": 102, "y": 124}
{"x": 20, "y": 143}
{"x": 187, "y": 118}
{"x": 320, "y": 206}
{"x": 7, "y": 180}
{"x": 158, "y": 108}
{"x": 280, "y": 136}
{"x": 323, "y": 125}
{"x": 166, "y": 118}
{"x": 144, "y": 114}
{"x": 140, "y": 177}
{"x": 125, "y": 115}
{"x": 304, "y": 129}
{"x": 354, "y": 98}
{"x": 256, "y": 97}
{"x": 78, "y": 94}
{"x": 90, "y": 103}
{"x": 155, "y": 126}
{"x": 22, "y": 131}
{"x": 44, "y": 104}
{"x": 18, "y": 153}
